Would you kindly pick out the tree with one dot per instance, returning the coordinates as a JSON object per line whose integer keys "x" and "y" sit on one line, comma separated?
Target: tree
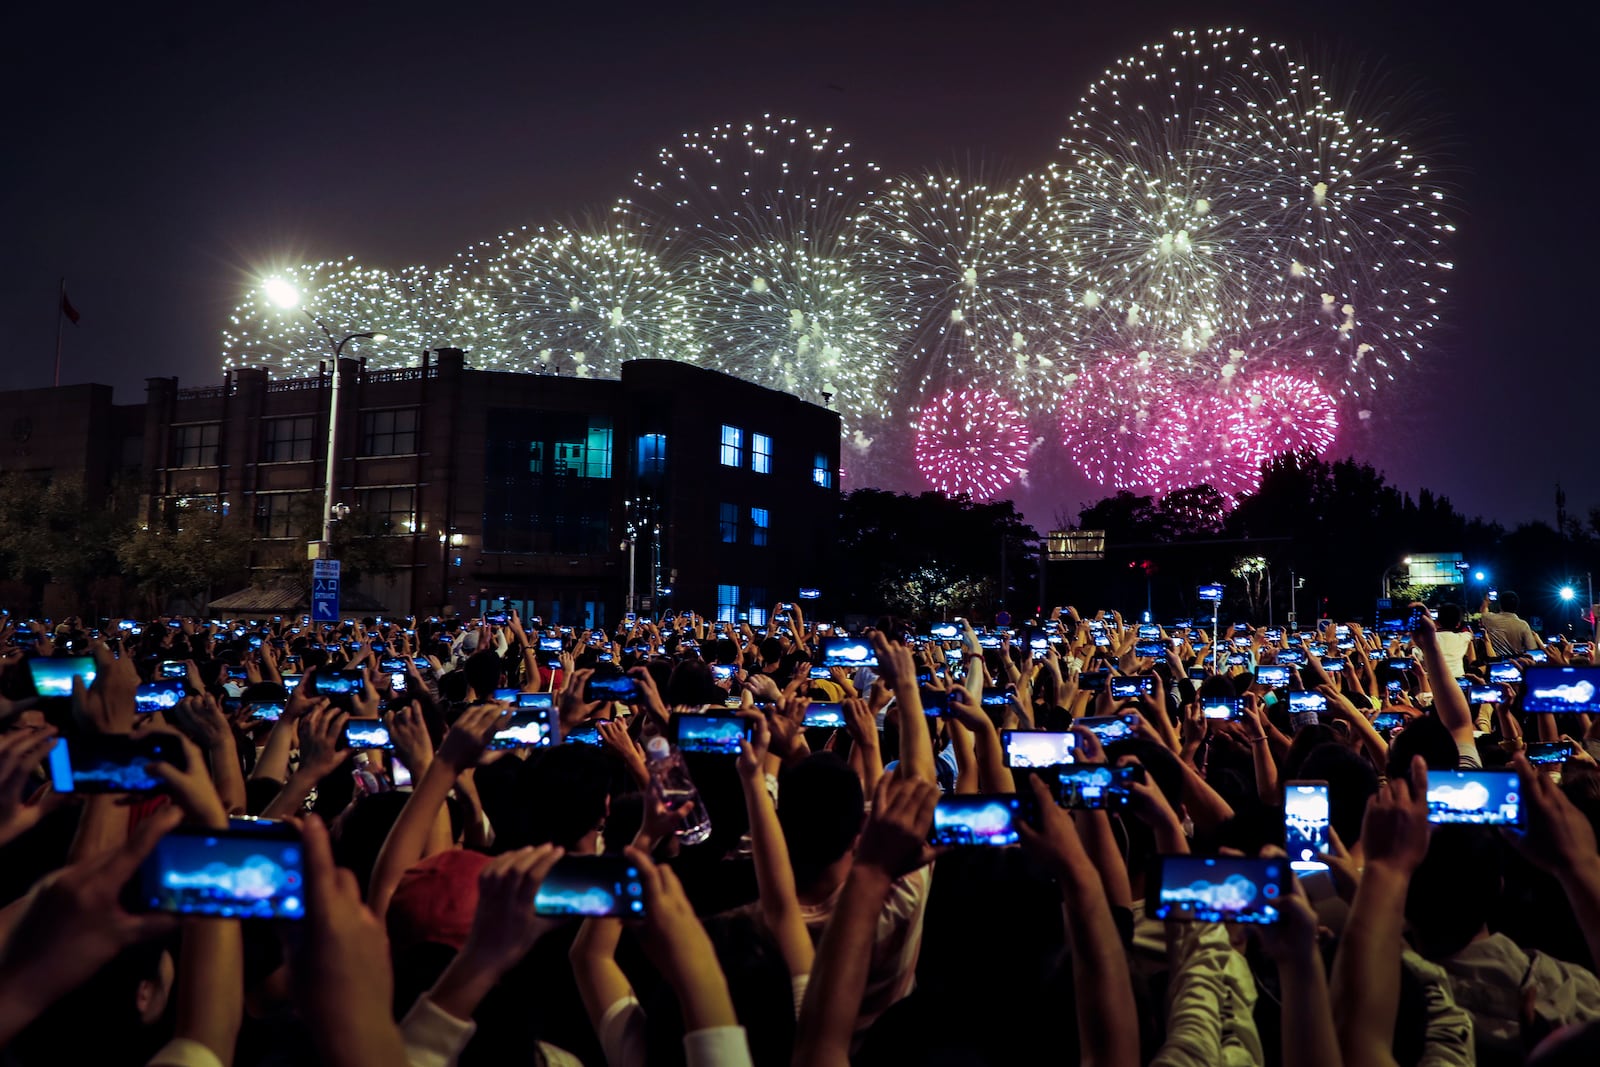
{"x": 51, "y": 530}
{"x": 363, "y": 544}
{"x": 184, "y": 562}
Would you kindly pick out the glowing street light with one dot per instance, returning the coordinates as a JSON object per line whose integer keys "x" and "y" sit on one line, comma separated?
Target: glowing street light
{"x": 1480, "y": 576}
{"x": 1568, "y": 594}
{"x": 281, "y": 293}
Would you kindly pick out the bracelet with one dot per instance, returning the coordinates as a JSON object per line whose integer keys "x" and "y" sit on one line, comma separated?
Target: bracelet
{"x": 1256, "y": 740}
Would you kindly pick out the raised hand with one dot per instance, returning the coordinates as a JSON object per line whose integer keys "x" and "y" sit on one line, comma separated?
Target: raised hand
{"x": 1394, "y": 833}
{"x": 894, "y": 841}
{"x": 464, "y": 744}
{"x": 20, "y": 753}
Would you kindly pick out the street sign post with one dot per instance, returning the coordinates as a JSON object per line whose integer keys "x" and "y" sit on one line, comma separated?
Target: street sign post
{"x": 325, "y": 590}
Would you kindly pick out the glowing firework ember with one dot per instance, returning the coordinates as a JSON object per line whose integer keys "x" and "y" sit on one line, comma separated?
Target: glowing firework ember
{"x": 1291, "y": 414}
{"x": 971, "y": 441}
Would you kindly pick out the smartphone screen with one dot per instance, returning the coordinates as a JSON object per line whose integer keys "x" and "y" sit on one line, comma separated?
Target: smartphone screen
{"x": 249, "y": 871}
{"x": 158, "y": 696}
{"x": 1095, "y": 786}
{"x": 1037, "y": 748}
{"x": 622, "y": 687}
{"x": 1109, "y": 728}
{"x": 550, "y": 644}
{"x": 1557, "y": 689}
{"x": 824, "y": 714}
{"x": 172, "y": 668}
{"x": 526, "y": 728}
{"x": 717, "y": 734}
{"x": 1388, "y": 720}
{"x": 366, "y": 734}
{"x": 536, "y": 700}
{"x": 1218, "y": 889}
{"x": 337, "y": 683}
{"x": 723, "y": 672}
{"x": 1307, "y": 701}
{"x": 585, "y": 735}
{"x": 935, "y": 702}
{"x": 1333, "y": 665}
{"x": 1305, "y": 825}
{"x": 265, "y": 711}
{"x": 1272, "y": 675}
{"x": 592, "y": 886}
{"x": 1485, "y": 694}
{"x": 1220, "y": 707}
{"x": 1476, "y": 798}
{"x": 976, "y": 819}
{"x": 848, "y": 652}
{"x": 53, "y": 677}
{"x": 1505, "y": 672}
{"x": 1546, "y": 753}
{"x": 1123, "y": 688}
{"x": 112, "y": 763}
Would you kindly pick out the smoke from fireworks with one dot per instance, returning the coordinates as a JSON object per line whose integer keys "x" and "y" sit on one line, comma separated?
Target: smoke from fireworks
{"x": 972, "y": 441}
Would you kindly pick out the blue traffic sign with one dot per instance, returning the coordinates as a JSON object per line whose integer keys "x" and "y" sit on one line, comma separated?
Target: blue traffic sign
{"x": 325, "y": 590}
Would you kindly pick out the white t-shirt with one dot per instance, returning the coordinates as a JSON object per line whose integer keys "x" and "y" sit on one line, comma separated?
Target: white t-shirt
{"x": 1453, "y": 645}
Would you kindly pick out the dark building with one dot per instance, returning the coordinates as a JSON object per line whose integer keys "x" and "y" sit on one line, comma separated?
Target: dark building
{"x": 489, "y": 488}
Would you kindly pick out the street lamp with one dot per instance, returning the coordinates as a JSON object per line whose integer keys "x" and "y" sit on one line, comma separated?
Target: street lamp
{"x": 287, "y": 297}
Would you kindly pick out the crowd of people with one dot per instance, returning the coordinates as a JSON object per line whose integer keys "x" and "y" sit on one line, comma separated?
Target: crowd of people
{"x": 798, "y": 903}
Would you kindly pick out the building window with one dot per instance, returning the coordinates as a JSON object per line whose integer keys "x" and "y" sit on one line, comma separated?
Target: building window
{"x": 535, "y": 457}
{"x": 287, "y": 439}
{"x": 391, "y": 511}
{"x": 652, "y": 455}
{"x": 196, "y": 446}
{"x": 588, "y": 456}
{"x": 732, "y": 446}
{"x": 182, "y": 509}
{"x": 758, "y": 606}
{"x": 761, "y": 453}
{"x": 821, "y": 472}
{"x": 759, "y": 521}
{"x": 275, "y": 513}
{"x": 389, "y": 433}
{"x": 727, "y": 603}
{"x": 730, "y": 524}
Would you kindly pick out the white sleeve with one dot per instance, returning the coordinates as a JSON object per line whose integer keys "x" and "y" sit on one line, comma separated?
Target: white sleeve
{"x": 800, "y": 983}
{"x": 1469, "y": 758}
{"x": 719, "y": 1046}
{"x": 433, "y": 1037}
{"x": 185, "y": 1052}
{"x": 622, "y": 1034}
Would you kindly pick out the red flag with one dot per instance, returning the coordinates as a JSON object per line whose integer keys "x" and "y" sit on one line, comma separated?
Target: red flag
{"x": 68, "y": 310}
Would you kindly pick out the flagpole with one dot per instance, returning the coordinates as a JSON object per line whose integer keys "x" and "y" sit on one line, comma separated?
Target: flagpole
{"x": 61, "y": 313}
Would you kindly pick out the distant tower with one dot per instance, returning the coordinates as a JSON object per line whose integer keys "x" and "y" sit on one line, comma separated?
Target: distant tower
{"x": 1561, "y": 510}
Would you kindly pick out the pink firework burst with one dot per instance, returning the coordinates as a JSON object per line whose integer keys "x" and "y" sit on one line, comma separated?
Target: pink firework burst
{"x": 971, "y": 441}
{"x": 1111, "y": 418}
{"x": 1291, "y": 413}
{"x": 1209, "y": 440}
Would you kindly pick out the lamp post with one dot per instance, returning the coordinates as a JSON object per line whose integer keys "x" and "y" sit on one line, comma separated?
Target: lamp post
{"x": 286, "y": 296}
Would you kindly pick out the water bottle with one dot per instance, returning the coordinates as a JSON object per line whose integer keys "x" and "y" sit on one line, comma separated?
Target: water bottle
{"x": 670, "y": 783}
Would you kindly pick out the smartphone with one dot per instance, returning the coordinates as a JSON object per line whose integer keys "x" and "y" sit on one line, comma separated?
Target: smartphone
{"x": 112, "y": 763}
{"x": 1272, "y": 675}
{"x": 526, "y": 728}
{"x": 1505, "y": 671}
{"x": 252, "y": 870}
{"x": 1536, "y": 655}
{"x": 585, "y": 735}
{"x": 976, "y": 819}
{"x": 53, "y": 677}
{"x": 1228, "y": 708}
{"x": 1037, "y": 748}
{"x": 1557, "y": 689}
{"x": 717, "y": 734}
{"x": 1217, "y": 889}
{"x": 1149, "y": 631}
{"x": 945, "y": 631}
{"x": 545, "y": 701}
{"x": 392, "y": 665}
{"x": 824, "y": 714}
{"x": 848, "y": 652}
{"x": 1133, "y": 688}
{"x": 550, "y": 644}
{"x": 1307, "y": 701}
{"x": 1150, "y": 649}
{"x": 337, "y": 683}
{"x": 171, "y": 668}
{"x": 1399, "y": 663}
{"x": 1475, "y": 797}
{"x": 952, "y": 656}
{"x": 1102, "y": 641}
{"x": 1109, "y": 728}
{"x": 621, "y": 687}
{"x": 935, "y": 702}
{"x": 818, "y": 673}
{"x": 158, "y": 696}
{"x": 1485, "y": 694}
{"x": 1094, "y": 681}
{"x": 995, "y": 698}
{"x": 724, "y": 672}
{"x": 1582, "y": 648}
{"x": 591, "y": 886}
{"x": 507, "y": 694}
{"x": 1292, "y": 657}
{"x": 265, "y": 711}
{"x": 1333, "y": 665}
{"x": 1305, "y": 825}
{"x": 362, "y": 734}
{"x": 1095, "y": 786}
{"x": 1388, "y": 720}
{"x": 1545, "y": 753}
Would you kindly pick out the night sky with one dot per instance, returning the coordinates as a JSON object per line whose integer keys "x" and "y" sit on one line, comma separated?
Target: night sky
{"x": 163, "y": 157}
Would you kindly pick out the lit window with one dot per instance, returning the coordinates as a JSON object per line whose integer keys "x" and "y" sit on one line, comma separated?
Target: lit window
{"x": 761, "y": 453}
{"x": 652, "y": 455}
{"x": 758, "y": 606}
{"x": 392, "y": 511}
{"x": 758, "y": 526}
{"x": 729, "y": 521}
{"x": 821, "y": 472}
{"x": 732, "y": 446}
{"x": 727, "y": 603}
